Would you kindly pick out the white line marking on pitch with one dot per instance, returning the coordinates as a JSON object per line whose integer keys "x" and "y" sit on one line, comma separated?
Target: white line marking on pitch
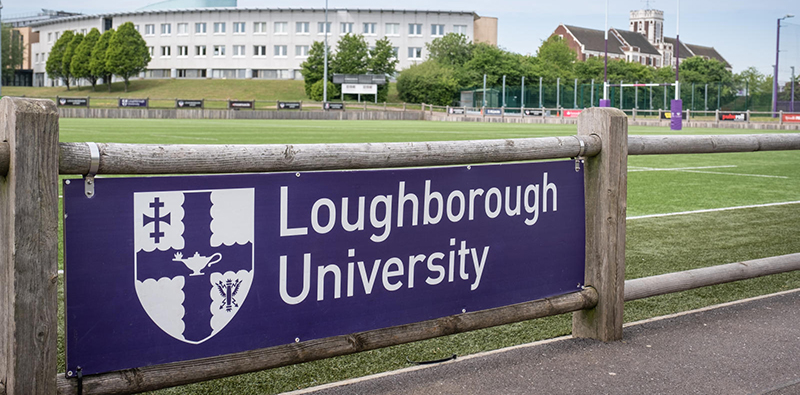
{"x": 699, "y": 169}
{"x": 712, "y": 210}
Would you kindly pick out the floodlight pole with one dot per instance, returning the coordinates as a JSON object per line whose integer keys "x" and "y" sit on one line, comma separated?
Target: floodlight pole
{"x": 676, "y": 107}
{"x": 792, "y": 98}
{"x": 325, "y": 66}
{"x": 605, "y": 102}
{"x": 775, "y": 77}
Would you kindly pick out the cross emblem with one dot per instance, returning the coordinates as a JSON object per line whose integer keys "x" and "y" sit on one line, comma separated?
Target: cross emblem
{"x": 157, "y": 234}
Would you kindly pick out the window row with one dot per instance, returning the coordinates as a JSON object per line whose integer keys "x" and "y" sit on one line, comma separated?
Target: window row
{"x": 300, "y": 51}
{"x": 367, "y": 28}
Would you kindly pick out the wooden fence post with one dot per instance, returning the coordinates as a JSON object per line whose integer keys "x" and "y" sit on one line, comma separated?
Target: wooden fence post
{"x": 29, "y": 247}
{"x": 606, "y": 202}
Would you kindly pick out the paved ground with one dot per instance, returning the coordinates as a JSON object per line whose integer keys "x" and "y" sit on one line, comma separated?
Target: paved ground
{"x": 749, "y": 347}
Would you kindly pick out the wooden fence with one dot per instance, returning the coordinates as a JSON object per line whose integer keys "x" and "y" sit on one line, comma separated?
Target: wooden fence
{"x": 31, "y": 158}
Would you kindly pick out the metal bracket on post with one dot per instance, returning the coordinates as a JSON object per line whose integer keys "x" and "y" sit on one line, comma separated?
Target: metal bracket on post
{"x": 88, "y": 178}
{"x": 579, "y": 158}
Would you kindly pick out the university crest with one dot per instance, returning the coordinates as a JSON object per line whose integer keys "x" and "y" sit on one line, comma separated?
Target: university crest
{"x": 193, "y": 258}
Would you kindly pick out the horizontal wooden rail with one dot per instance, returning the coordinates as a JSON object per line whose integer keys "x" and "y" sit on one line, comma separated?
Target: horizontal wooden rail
{"x": 5, "y": 158}
{"x": 655, "y": 145}
{"x": 179, "y": 373}
{"x": 690, "y": 279}
{"x": 187, "y": 159}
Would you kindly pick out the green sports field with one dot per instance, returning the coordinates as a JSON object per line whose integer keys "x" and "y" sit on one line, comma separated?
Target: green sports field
{"x": 655, "y": 245}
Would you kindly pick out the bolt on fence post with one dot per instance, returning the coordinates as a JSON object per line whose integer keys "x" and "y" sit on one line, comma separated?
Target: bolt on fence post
{"x": 605, "y": 179}
{"x": 29, "y": 247}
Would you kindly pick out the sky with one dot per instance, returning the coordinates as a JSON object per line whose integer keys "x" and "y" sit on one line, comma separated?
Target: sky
{"x": 743, "y": 31}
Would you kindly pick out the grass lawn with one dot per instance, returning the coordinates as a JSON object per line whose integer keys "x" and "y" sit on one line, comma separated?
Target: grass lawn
{"x": 657, "y": 184}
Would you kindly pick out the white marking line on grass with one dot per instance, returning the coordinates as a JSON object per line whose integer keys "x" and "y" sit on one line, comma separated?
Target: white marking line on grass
{"x": 712, "y": 210}
{"x": 698, "y": 170}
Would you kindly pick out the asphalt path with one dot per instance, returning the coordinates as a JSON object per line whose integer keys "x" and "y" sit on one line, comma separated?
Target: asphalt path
{"x": 746, "y": 347}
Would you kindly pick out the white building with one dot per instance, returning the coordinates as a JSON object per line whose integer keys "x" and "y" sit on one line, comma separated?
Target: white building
{"x": 260, "y": 43}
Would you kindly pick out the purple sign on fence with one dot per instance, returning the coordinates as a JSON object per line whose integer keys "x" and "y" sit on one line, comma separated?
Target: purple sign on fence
{"x": 165, "y": 269}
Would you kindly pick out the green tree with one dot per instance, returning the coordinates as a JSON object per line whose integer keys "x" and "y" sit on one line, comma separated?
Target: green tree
{"x": 492, "y": 61}
{"x": 702, "y": 71}
{"x": 12, "y": 51}
{"x": 383, "y": 61}
{"x": 69, "y": 53}
{"x": 80, "y": 65}
{"x": 452, "y": 50}
{"x": 127, "y": 53}
{"x": 352, "y": 55}
{"x": 317, "y": 92}
{"x": 427, "y": 82}
{"x": 97, "y": 59}
{"x": 556, "y": 60}
{"x": 312, "y": 68}
{"x": 54, "y": 66}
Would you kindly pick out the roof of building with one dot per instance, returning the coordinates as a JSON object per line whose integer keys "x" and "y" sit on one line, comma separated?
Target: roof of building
{"x": 684, "y": 52}
{"x": 637, "y": 40}
{"x": 707, "y": 52}
{"x": 232, "y": 9}
{"x": 188, "y": 4}
{"x": 594, "y": 40}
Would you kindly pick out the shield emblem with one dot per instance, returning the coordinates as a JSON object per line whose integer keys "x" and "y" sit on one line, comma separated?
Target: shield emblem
{"x": 62, "y": 101}
{"x": 180, "y": 103}
{"x": 193, "y": 258}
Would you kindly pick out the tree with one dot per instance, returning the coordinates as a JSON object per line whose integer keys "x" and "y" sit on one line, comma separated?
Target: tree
{"x": 556, "y": 59}
{"x": 12, "y": 51}
{"x": 452, "y": 50}
{"x": 352, "y": 55}
{"x": 492, "y": 61}
{"x": 127, "y": 53}
{"x": 317, "y": 91}
{"x": 80, "y": 66}
{"x": 54, "y": 66}
{"x": 69, "y": 53}
{"x": 703, "y": 71}
{"x": 427, "y": 82}
{"x": 382, "y": 60}
{"x": 312, "y": 68}
{"x": 97, "y": 60}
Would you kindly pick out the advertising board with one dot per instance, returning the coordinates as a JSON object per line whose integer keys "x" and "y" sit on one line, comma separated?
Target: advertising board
{"x": 165, "y": 269}
{"x": 132, "y": 102}
{"x": 733, "y": 116}
{"x": 73, "y": 101}
{"x": 181, "y": 103}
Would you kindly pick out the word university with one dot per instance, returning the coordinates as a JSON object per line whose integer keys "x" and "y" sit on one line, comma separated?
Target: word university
{"x": 166, "y": 269}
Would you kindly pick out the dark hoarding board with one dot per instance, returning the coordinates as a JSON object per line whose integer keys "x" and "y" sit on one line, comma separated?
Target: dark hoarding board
{"x": 165, "y": 269}
{"x": 239, "y": 104}
{"x": 183, "y": 103}
{"x": 333, "y": 106}
{"x": 73, "y": 101}
{"x": 133, "y": 102}
{"x": 290, "y": 105}
{"x": 733, "y": 116}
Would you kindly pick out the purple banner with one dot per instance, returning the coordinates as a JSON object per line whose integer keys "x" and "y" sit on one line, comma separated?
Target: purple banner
{"x": 164, "y": 269}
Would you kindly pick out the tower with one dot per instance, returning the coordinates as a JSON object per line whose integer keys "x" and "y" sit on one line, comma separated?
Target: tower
{"x": 649, "y": 23}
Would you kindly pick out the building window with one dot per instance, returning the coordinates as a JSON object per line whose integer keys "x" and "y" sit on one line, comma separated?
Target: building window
{"x": 437, "y": 30}
{"x": 392, "y": 29}
{"x": 238, "y": 28}
{"x": 301, "y": 51}
{"x": 151, "y": 51}
{"x": 165, "y": 51}
{"x": 219, "y": 27}
{"x": 260, "y": 27}
{"x": 219, "y": 50}
{"x": 369, "y": 28}
{"x": 199, "y": 50}
{"x": 346, "y": 27}
{"x": 183, "y": 50}
{"x": 396, "y": 52}
{"x": 414, "y": 52}
{"x": 281, "y": 27}
{"x": 323, "y": 29}
{"x": 414, "y": 29}
{"x": 460, "y": 29}
{"x": 183, "y": 29}
{"x": 260, "y": 50}
{"x": 136, "y": 27}
{"x": 49, "y": 37}
{"x": 200, "y": 28}
{"x": 280, "y": 51}
{"x": 149, "y": 30}
{"x": 301, "y": 27}
{"x": 238, "y": 50}
{"x": 166, "y": 29}
{"x": 83, "y": 32}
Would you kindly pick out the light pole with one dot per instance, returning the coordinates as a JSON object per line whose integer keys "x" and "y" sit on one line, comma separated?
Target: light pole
{"x": 605, "y": 102}
{"x": 791, "y": 108}
{"x": 325, "y": 66}
{"x": 676, "y": 107}
{"x": 775, "y": 77}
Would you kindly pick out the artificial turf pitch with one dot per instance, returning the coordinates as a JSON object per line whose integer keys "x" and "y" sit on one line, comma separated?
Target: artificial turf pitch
{"x": 658, "y": 184}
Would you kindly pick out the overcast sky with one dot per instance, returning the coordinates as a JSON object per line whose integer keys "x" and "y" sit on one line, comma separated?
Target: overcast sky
{"x": 743, "y": 31}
